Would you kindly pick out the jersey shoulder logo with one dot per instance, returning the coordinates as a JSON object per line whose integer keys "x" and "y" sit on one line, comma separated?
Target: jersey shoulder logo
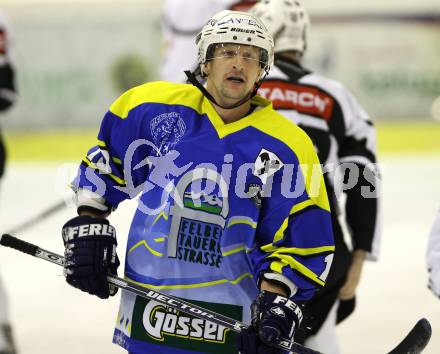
{"x": 167, "y": 129}
{"x": 266, "y": 164}
{"x": 303, "y": 99}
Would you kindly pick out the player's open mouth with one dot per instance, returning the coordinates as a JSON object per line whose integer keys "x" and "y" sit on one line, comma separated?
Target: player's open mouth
{"x": 235, "y": 79}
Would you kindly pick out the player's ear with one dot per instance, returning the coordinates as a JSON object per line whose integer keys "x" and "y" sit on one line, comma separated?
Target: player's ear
{"x": 204, "y": 69}
{"x": 261, "y": 73}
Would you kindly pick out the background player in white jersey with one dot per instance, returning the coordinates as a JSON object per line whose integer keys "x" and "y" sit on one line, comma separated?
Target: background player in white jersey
{"x": 433, "y": 257}
{"x": 344, "y": 136}
{"x": 220, "y": 220}
{"x": 7, "y": 98}
{"x": 181, "y": 22}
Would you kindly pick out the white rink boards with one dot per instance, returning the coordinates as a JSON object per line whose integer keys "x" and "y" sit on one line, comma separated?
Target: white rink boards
{"x": 51, "y": 317}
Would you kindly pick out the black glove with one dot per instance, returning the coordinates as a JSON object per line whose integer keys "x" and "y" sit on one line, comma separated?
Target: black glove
{"x": 90, "y": 254}
{"x": 345, "y": 309}
{"x": 273, "y": 317}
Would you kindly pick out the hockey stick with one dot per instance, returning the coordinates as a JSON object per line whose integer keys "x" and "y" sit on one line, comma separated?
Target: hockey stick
{"x": 39, "y": 217}
{"x": 167, "y": 300}
{"x": 414, "y": 343}
{"x": 416, "y": 340}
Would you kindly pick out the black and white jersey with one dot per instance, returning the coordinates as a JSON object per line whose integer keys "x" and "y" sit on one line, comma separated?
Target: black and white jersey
{"x": 344, "y": 136}
{"x": 7, "y": 86}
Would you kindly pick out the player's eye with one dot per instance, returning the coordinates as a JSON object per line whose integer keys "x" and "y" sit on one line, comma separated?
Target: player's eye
{"x": 249, "y": 56}
{"x": 229, "y": 53}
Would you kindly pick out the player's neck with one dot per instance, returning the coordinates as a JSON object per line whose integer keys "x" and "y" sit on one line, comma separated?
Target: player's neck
{"x": 233, "y": 114}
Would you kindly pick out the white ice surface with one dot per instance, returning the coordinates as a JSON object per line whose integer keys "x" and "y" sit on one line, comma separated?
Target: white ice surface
{"x": 51, "y": 317}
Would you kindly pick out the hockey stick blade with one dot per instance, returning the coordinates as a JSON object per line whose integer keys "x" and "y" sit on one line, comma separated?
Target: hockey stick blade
{"x": 165, "y": 299}
{"x": 416, "y": 340}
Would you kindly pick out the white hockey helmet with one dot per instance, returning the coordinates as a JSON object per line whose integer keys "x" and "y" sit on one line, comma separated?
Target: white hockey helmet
{"x": 235, "y": 27}
{"x": 287, "y": 21}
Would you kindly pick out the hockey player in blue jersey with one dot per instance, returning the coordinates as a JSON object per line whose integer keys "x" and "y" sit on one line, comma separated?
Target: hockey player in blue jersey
{"x": 232, "y": 207}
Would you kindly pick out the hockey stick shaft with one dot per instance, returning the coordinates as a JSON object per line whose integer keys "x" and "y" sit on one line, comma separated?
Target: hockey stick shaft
{"x": 167, "y": 300}
{"x": 58, "y": 206}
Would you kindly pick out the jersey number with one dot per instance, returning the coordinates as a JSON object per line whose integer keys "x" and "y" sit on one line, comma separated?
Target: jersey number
{"x": 328, "y": 262}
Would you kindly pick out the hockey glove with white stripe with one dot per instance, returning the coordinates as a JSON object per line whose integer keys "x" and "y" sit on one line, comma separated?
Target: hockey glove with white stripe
{"x": 90, "y": 254}
{"x": 273, "y": 317}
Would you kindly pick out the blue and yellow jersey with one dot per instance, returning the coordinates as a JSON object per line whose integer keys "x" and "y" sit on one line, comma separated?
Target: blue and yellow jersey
{"x": 218, "y": 205}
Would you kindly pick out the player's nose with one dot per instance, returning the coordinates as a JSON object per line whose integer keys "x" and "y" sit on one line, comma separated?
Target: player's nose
{"x": 238, "y": 62}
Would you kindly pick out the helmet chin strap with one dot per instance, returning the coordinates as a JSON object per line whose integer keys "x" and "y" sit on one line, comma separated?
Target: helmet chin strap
{"x": 193, "y": 80}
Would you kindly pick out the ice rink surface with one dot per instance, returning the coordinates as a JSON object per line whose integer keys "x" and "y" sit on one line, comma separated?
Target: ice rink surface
{"x": 51, "y": 317}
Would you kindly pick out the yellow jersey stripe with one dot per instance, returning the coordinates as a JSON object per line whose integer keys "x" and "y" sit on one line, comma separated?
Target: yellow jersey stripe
{"x": 301, "y": 206}
{"x": 195, "y": 285}
{"x": 116, "y": 160}
{"x": 145, "y": 244}
{"x": 157, "y": 92}
{"x": 223, "y": 129}
{"x": 298, "y": 251}
{"x": 294, "y": 264}
{"x": 189, "y": 96}
{"x": 118, "y": 180}
{"x": 233, "y": 251}
{"x": 279, "y": 234}
{"x": 277, "y": 266}
{"x": 237, "y": 221}
{"x": 161, "y": 215}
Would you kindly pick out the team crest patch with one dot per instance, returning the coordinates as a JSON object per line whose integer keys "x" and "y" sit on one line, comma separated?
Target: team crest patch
{"x": 266, "y": 164}
{"x": 167, "y": 129}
